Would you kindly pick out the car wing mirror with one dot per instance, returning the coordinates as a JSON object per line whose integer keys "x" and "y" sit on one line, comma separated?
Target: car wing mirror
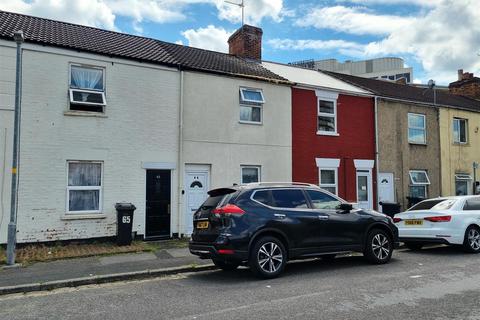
{"x": 345, "y": 207}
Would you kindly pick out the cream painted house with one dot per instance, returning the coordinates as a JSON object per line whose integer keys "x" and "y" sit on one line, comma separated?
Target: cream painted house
{"x": 110, "y": 117}
{"x": 460, "y": 148}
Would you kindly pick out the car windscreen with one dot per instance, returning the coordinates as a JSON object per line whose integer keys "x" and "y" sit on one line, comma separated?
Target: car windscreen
{"x": 437, "y": 204}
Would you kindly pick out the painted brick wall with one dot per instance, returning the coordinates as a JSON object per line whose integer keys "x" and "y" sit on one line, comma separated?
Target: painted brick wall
{"x": 356, "y": 140}
{"x": 140, "y": 124}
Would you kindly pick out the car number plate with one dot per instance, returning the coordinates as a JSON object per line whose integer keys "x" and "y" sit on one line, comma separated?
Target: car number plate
{"x": 202, "y": 225}
{"x": 413, "y": 222}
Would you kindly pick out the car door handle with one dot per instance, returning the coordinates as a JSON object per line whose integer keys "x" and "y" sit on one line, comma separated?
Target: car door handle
{"x": 323, "y": 217}
{"x": 279, "y": 215}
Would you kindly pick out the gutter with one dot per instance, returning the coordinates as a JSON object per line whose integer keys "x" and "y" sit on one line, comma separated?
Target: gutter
{"x": 377, "y": 164}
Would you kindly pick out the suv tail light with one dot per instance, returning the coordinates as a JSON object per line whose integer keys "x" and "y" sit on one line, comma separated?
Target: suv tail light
{"x": 439, "y": 219}
{"x": 228, "y": 210}
{"x": 397, "y": 220}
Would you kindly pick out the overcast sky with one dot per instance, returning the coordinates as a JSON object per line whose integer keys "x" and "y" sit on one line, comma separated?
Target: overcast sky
{"x": 435, "y": 37}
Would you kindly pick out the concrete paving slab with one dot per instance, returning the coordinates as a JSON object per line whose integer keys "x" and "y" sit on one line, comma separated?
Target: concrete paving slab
{"x": 122, "y": 258}
{"x": 179, "y": 252}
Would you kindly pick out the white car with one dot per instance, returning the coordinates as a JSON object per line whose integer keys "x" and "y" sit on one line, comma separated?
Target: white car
{"x": 448, "y": 220}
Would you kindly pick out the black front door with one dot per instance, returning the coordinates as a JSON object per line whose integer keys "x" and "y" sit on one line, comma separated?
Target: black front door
{"x": 158, "y": 204}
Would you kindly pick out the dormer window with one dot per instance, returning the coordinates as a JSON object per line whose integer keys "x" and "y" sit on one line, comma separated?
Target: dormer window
{"x": 251, "y": 103}
{"x": 87, "y": 88}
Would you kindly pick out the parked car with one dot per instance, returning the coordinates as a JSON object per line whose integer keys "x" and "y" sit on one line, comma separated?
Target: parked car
{"x": 263, "y": 225}
{"x": 447, "y": 220}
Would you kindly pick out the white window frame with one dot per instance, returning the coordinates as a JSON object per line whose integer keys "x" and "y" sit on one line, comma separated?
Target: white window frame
{"x": 259, "y": 170}
{"x": 328, "y": 185}
{"x": 252, "y": 106}
{"x": 466, "y": 130}
{"x": 243, "y": 99}
{"x": 73, "y": 89}
{"x": 424, "y": 128}
{"x": 100, "y": 188}
{"x": 419, "y": 184}
{"x": 464, "y": 177}
{"x": 329, "y": 96}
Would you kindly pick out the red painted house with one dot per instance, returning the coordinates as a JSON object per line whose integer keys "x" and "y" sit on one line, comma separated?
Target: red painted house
{"x": 333, "y": 134}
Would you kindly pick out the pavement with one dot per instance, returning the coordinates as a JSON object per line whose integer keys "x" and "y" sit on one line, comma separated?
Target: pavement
{"x": 434, "y": 283}
{"x": 101, "y": 269}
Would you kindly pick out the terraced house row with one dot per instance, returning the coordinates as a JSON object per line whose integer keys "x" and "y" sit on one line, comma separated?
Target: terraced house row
{"x": 110, "y": 117}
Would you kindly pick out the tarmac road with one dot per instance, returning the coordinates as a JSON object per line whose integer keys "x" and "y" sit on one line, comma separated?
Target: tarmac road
{"x": 434, "y": 283}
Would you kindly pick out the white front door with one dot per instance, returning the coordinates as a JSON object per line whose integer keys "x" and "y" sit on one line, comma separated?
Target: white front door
{"x": 364, "y": 189}
{"x": 386, "y": 187}
{"x": 196, "y": 187}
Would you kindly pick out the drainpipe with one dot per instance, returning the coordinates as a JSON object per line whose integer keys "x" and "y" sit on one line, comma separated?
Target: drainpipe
{"x": 180, "y": 169}
{"x": 376, "y": 151}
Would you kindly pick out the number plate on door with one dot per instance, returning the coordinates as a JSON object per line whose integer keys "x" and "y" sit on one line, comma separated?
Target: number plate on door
{"x": 202, "y": 225}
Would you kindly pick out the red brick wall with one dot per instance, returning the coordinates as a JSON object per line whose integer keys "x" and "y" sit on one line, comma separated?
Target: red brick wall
{"x": 356, "y": 140}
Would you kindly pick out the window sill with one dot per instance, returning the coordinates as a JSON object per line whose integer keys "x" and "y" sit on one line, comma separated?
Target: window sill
{"x": 326, "y": 133}
{"x": 251, "y": 122}
{"x": 74, "y": 216}
{"x": 418, "y": 143}
{"x": 73, "y": 113}
{"x": 462, "y": 144}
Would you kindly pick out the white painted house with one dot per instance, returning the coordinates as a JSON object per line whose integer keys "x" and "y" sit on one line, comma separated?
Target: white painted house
{"x": 109, "y": 117}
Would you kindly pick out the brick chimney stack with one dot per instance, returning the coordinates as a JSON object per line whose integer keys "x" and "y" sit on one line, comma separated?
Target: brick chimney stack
{"x": 246, "y": 42}
{"x": 466, "y": 85}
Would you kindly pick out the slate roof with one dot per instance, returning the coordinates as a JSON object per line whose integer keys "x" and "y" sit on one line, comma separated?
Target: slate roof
{"x": 410, "y": 93}
{"x": 82, "y": 38}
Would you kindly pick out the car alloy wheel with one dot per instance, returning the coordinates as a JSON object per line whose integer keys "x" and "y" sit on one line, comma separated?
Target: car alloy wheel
{"x": 270, "y": 257}
{"x": 472, "y": 241}
{"x": 381, "y": 246}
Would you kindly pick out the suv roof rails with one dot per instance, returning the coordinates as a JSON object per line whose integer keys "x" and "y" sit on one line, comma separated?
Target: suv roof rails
{"x": 289, "y": 183}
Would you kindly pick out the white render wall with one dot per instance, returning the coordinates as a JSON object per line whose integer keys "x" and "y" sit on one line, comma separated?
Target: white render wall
{"x": 212, "y": 134}
{"x": 140, "y": 125}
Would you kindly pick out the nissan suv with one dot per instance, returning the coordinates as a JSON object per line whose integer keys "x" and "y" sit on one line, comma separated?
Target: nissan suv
{"x": 263, "y": 225}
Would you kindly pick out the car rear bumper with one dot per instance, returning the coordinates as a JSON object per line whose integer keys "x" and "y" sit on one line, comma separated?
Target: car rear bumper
{"x": 211, "y": 251}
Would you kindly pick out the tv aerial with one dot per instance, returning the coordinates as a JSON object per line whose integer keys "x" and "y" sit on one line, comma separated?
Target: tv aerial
{"x": 240, "y": 5}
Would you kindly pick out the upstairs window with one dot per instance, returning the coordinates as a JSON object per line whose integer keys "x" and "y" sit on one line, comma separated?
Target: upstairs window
{"x": 416, "y": 128}
{"x": 460, "y": 130}
{"x": 418, "y": 183}
{"x": 327, "y": 117}
{"x": 251, "y": 103}
{"x": 87, "y": 89}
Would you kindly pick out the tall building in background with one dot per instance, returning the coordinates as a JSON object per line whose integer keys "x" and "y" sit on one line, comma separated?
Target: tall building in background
{"x": 381, "y": 68}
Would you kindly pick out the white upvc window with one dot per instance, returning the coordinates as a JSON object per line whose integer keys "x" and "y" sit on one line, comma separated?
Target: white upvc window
{"x": 417, "y": 132}
{"x": 419, "y": 182}
{"x": 462, "y": 184}
{"x": 250, "y": 174}
{"x": 460, "y": 129}
{"x": 327, "y": 116}
{"x": 328, "y": 179}
{"x": 328, "y": 174}
{"x": 251, "y": 105}
{"x": 87, "y": 88}
{"x": 84, "y": 187}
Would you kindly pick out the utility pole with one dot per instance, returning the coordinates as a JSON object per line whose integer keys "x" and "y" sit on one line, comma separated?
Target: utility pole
{"x": 241, "y": 5}
{"x": 12, "y": 226}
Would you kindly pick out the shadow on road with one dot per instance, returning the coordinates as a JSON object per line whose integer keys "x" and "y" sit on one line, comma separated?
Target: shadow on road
{"x": 439, "y": 250}
{"x": 293, "y": 269}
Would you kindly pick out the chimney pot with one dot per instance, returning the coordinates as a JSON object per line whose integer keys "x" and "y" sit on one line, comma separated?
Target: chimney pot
{"x": 246, "y": 42}
{"x": 460, "y": 74}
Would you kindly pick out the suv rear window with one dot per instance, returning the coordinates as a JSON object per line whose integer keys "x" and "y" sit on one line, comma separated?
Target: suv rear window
{"x": 263, "y": 196}
{"x": 289, "y": 198}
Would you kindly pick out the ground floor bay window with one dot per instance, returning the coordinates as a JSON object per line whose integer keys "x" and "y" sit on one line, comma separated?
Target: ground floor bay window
{"x": 84, "y": 187}
{"x": 462, "y": 184}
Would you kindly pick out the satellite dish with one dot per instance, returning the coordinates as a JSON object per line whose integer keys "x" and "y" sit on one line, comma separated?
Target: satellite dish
{"x": 431, "y": 84}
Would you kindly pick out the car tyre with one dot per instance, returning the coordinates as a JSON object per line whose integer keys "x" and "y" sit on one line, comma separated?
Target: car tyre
{"x": 268, "y": 258}
{"x": 225, "y": 266}
{"x": 414, "y": 246}
{"x": 379, "y": 247}
{"x": 471, "y": 243}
